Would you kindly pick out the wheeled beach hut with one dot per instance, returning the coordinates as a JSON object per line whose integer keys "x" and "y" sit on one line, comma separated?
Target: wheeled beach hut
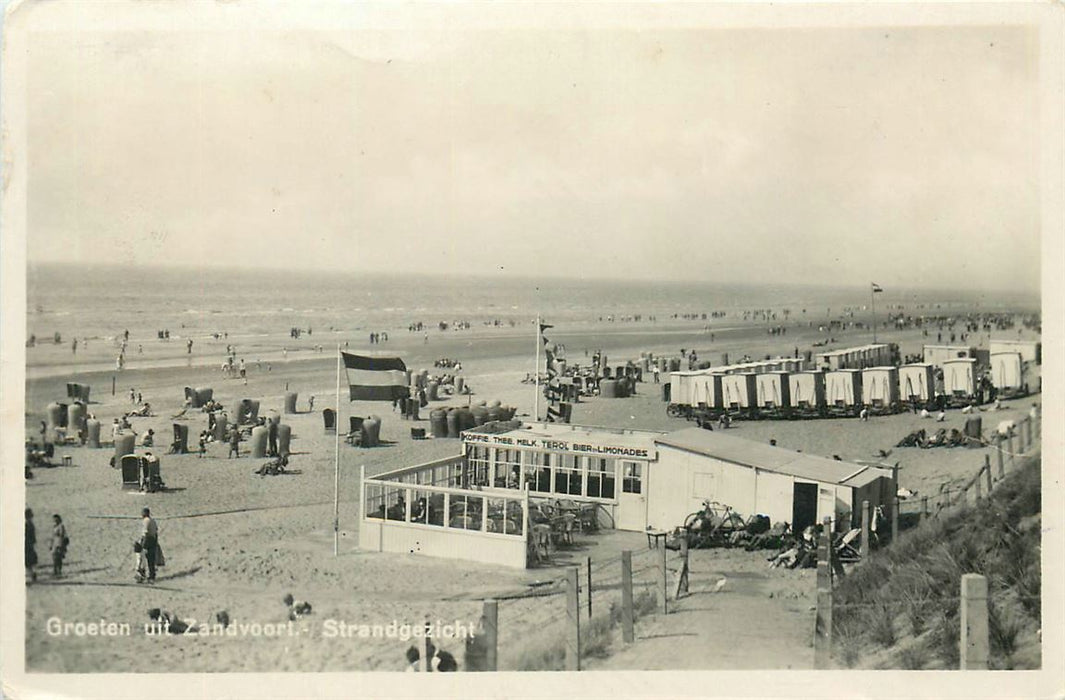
{"x": 860, "y": 357}
{"x": 1030, "y": 350}
{"x": 707, "y": 391}
{"x": 936, "y": 355}
{"x": 773, "y": 392}
{"x": 917, "y": 383}
{"x": 959, "y": 379}
{"x": 806, "y": 392}
{"x": 739, "y": 392}
{"x": 880, "y": 388}
{"x": 843, "y": 389}
{"x": 680, "y": 392}
{"x": 1008, "y": 372}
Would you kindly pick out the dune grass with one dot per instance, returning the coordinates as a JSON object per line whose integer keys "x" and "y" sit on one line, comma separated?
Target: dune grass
{"x": 899, "y": 609}
{"x": 548, "y": 652}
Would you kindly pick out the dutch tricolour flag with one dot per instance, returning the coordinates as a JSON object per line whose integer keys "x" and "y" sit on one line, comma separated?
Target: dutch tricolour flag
{"x": 375, "y": 378}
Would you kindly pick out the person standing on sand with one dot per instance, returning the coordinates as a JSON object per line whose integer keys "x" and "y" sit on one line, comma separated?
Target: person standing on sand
{"x": 310, "y": 404}
{"x": 149, "y": 542}
{"x": 31, "y": 546}
{"x": 74, "y": 346}
{"x": 234, "y": 443}
{"x": 58, "y": 545}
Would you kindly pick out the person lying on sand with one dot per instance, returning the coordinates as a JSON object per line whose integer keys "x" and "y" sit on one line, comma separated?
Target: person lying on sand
{"x": 273, "y": 467}
{"x": 168, "y": 621}
{"x": 296, "y": 608}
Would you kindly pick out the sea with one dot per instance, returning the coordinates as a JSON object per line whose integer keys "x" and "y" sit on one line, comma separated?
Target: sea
{"x": 104, "y": 301}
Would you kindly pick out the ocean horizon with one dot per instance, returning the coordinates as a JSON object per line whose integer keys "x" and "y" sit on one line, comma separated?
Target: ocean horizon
{"x": 101, "y": 301}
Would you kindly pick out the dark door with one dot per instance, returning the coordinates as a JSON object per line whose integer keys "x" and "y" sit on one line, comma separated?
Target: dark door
{"x": 803, "y": 507}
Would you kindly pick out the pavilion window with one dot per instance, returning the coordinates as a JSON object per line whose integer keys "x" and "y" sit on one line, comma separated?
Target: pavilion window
{"x": 632, "y": 477}
{"x": 600, "y": 477}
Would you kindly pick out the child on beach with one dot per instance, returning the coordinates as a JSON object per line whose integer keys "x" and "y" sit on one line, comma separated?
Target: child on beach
{"x": 203, "y": 444}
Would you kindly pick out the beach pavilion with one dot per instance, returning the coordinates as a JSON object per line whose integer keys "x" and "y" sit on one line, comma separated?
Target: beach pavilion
{"x": 477, "y": 505}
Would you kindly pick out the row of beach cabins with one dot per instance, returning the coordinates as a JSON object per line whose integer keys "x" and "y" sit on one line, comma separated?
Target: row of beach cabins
{"x": 843, "y": 382}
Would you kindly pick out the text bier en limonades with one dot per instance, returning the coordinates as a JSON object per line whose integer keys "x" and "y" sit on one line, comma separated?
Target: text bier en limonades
{"x": 556, "y": 445}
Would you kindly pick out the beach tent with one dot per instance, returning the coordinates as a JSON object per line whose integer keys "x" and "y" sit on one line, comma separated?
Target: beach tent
{"x": 196, "y": 398}
{"x": 131, "y": 471}
{"x": 124, "y": 443}
{"x": 329, "y": 417}
{"x": 773, "y": 390}
{"x": 78, "y": 392}
{"x": 247, "y": 411}
{"x": 917, "y": 382}
{"x": 959, "y": 377}
{"x": 880, "y": 386}
{"x": 1007, "y": 371}
{"x": 180, "y": 445}
{"x": 806, "y": 390}
{"x": 843, "y": 387}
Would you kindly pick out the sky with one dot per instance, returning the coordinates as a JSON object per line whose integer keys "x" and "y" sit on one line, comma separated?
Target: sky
{"x": 900, "y": 155}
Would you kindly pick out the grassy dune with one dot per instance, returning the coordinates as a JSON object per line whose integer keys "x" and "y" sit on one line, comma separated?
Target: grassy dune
{"x": 900, "y": 608}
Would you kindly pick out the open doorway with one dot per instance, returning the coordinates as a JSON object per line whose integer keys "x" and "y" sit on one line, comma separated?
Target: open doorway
{"x": 803, "y": 506}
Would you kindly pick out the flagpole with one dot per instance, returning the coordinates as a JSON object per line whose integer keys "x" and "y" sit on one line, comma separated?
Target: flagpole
{"x": 336, "y": 468}
{"x": 536, "y": 396}
{"x": 872, "y": 301}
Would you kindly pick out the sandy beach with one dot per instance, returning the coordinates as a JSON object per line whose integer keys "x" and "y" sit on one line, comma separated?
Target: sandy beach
{"x": 238, "y": 542}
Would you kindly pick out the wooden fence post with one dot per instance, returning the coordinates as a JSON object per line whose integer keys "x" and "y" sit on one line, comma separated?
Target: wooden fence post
{"x": 823, "y": 619}
{"x": 895, "y": 521}
{"x": 588, "y": 565}
{"x": 974, "y": 626}
{"x": 924, "y": 508}
{"x": 682, "y": 573}
{"x": 665, "y": 582}
{"x": 1001, "y": 468}
{"x": 1028, "y": 430}
{"x": 573, "y": 625}
{"x": 1013, "y": 458}
{"x": 491, "y": 634}
{"x": 427, "y": 646}
{"x": 866, "y": 549}
{"x": 626, "y": 597}
{"x": 987, "y": 472}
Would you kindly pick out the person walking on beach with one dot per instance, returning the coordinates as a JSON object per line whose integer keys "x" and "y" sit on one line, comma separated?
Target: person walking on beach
{"x": 149, "y": 542}
{"x": 234, "y": 443}
{"x": 58, "y": 545}
{"x": 655, "y": 371}
{"x": 310, "y": 404}
{"x": 74, "y": 346}
{"x": 31, "y": 547}
{"x": 189, "y": 345}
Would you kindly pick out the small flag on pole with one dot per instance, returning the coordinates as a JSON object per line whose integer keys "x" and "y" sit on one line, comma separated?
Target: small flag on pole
{"x": 375, "y": 378}
{"x": 877, "y": 288}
